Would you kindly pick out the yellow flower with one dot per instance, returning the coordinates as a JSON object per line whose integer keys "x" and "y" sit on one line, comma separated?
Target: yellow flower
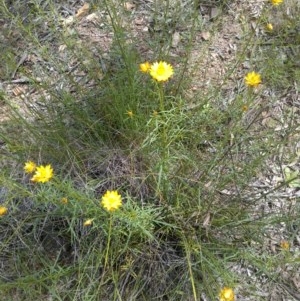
{"x": 276, "y": 2}
{"x": 245, "y": 108}
{"x": 111, "y": 200}
{"x": 252, "y": 79}
{"x": 269, "y": 27}
{"x": 145, "y": 67}
{"x": 29, "y": 167}
{"x": 285, "y": 245}
{"x": 3, "y": 210}
{"x": 226, "y": 294}
{"x": 88, "y": 222}
{"x": 161, "y": 71}
{"x": 64, "y": 201}
{"x": 130, "y": 114}
{"x": 43, "y": 174}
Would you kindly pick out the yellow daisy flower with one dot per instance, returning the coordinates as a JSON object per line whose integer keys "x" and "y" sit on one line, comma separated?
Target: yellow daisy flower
{"x": 145, "y": 67}
{"x": 111, "y": 200}
{"x": 269, "y": 27}
{"x": 285, "y": 245}
{"x": 3, "y": 210}
{"x": 130, "y": 114}
{"x": 161, "y": 71}
{"x": 43, "y": 174}
{"x": 252, "y": 79}
{"x": 276, "y": 2}
{"x": 226, "y": 294}
{"x": 245, "y": 108}
{"x": 29, "y": 167}
{"x": 64, "y": 201}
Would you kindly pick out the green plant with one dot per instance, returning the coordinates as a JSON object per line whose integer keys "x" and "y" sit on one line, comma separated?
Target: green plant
{"x": 186, "y": 164}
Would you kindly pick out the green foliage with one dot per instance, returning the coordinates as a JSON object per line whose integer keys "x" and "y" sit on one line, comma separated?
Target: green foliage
{"x": 184, "y": 165}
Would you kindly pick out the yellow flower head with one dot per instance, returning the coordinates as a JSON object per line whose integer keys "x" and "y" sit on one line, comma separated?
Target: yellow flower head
{"x": 130, "y": 114}
{"x": 88, "y": 222}
{"x": 145, "y": 67}
{"x": 276, "y": 2}
{"x": 3, "y": 210}
{"x": 43, "y": 174}
{"x": 245, "y": 108}
{"x": 29, "y": 167}
{"x": 252, "y": 79}
{"x": 269, "y": 27}
{"x": 64, "y": 201}
{"x": 161, "y": 71}
{"x": 111, "y": 200}
{"x": 285, "y": 245}
{"x": 226, "y": 294}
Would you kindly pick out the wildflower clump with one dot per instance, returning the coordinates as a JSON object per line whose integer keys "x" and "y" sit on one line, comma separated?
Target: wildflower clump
{"x": 161, "y": 71}
{"x": 276, "y": 2}
{"x": 3, "y": 210}
{"x": 111, "y": 200}
{"x": 226, "y": 294}
{"x": 252, "y": 79}
{"x": 29, "y": 167}
{"x": 42, "y": 174}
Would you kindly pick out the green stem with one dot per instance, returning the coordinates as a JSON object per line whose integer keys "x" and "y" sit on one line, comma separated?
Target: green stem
{"x": 108, "y": 242}
{"x": 164, "y": 141}
{"x": 161, "y": 97}
{"x": 191, "y": 275}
